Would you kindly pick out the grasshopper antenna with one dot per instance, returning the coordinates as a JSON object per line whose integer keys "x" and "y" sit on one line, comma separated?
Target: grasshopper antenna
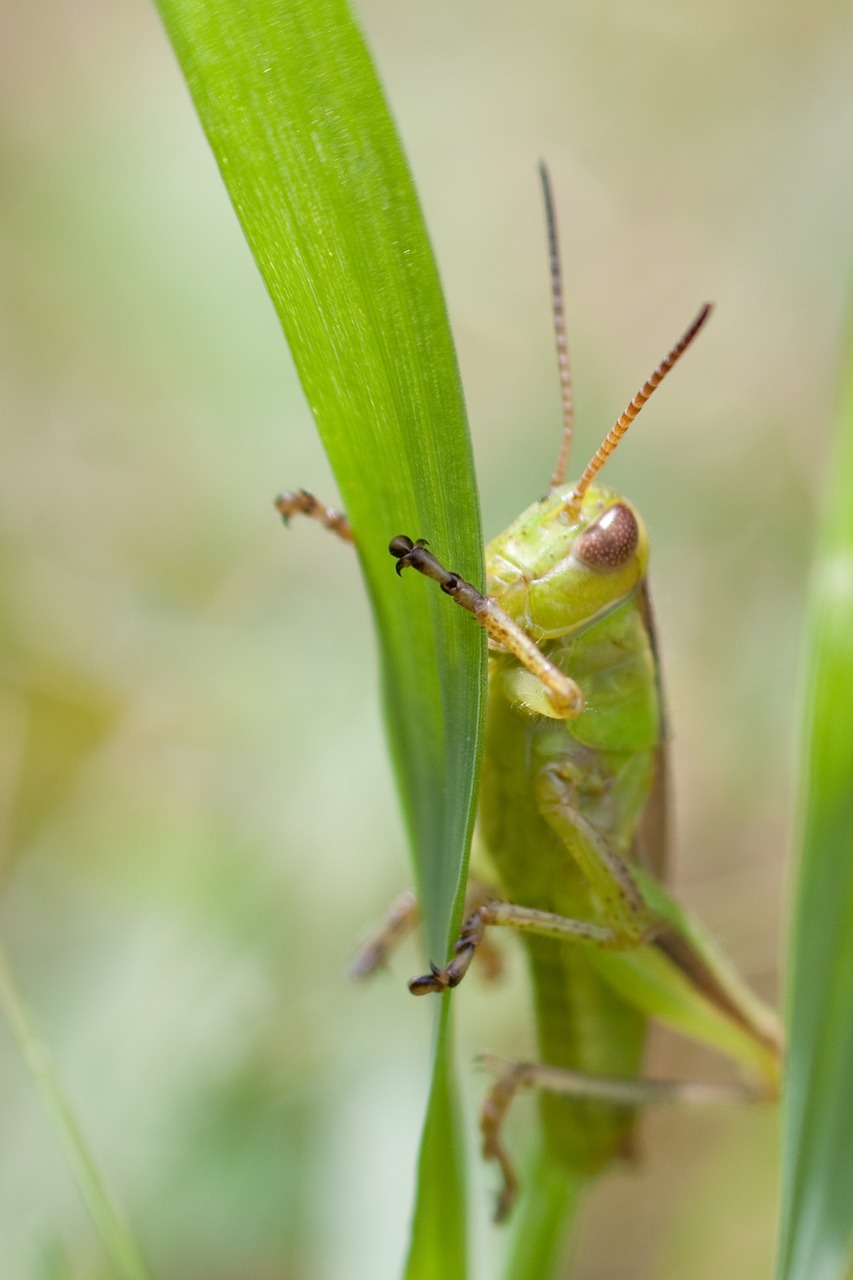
{"x": 625, "y": 419}
{"x": 558, "y": 313}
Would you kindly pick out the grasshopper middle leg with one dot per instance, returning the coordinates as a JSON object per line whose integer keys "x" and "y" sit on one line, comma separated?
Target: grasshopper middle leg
{"x": 401, "y": 918}
{"x": 630, "y": 923}
{"x": 528, "y": 919}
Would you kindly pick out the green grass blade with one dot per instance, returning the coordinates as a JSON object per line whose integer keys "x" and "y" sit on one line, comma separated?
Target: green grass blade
{"x": 438, "y": 1246}
{"x": 297, "y": 121}
{"x": 817, "y": 1208}
{"x": 113, "y": 1232}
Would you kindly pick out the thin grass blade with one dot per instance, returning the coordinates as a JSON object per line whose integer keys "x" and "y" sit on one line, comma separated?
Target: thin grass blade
{"x": 817, "y": 1207}
{"x": 114, "y": 1233}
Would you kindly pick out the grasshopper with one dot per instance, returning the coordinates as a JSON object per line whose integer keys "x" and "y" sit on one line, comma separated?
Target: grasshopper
{"x": 572, "y": 811}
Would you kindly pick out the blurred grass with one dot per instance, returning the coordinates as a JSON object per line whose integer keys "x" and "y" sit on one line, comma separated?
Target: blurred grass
{"x": 817, "y": 1209}
{"x": 171, "y": 913}
{"x": 115, "y": 1235}
{"x": 295, "y": 116}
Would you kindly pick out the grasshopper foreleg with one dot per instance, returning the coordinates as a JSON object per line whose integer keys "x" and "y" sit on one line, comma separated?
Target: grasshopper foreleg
{"x": 303, "y": 503}
{"x": 564, "y": 694}
{"x": 512, "y": 1076}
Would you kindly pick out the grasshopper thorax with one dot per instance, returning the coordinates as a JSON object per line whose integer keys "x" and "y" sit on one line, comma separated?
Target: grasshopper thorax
{"x": 555, "y": 572}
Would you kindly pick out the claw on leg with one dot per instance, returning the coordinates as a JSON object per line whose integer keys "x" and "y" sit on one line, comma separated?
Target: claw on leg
{"x": 438, "y": 980}
{"x": 303, "y": 503}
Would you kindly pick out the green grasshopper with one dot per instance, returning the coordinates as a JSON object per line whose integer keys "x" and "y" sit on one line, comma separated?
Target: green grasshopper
{"x": 572, "y": 812}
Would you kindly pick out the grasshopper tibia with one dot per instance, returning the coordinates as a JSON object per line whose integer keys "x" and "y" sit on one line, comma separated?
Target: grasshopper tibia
{"x": 564, "y": 694}
{"x": 512, "y": 1076}
{"x": 303, "y": 503}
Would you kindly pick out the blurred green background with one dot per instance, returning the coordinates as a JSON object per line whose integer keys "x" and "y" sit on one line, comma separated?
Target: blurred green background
{"x": 196, "y": 810}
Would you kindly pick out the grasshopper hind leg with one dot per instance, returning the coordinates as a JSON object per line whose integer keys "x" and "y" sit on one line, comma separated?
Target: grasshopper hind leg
{"x": 510, "y": 1077}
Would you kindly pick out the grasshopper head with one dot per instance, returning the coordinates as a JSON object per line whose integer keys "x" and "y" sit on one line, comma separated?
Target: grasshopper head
{"x": 556, "y": 569}
{"x": 582, "y": 550}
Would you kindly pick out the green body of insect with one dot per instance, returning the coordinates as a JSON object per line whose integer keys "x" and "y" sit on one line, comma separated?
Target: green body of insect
{"x": 599, "y": 766}
{"x": 568, "y": 806}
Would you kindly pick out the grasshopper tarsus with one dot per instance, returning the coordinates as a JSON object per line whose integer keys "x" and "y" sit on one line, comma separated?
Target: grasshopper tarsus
{"x": 415, "y": 555}
{"x": 437, "y": 981}
{"x": 464, "y": 949}
{"x": 428, "y": 983}
{"x": 302, "y": 503}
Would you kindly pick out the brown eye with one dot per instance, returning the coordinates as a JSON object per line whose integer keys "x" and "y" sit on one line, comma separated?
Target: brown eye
{"x": 609, "y": 543}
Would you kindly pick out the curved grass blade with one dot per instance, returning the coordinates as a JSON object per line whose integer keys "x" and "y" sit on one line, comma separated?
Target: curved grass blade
{"x": 114, "y": 1233}
{"x": 296, "y": 118}
{"x": 817, "y": 1207}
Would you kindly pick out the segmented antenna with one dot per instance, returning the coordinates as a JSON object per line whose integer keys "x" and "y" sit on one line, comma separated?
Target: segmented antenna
{"x": 622, "y": 423}
{"x": 558, "y": 313}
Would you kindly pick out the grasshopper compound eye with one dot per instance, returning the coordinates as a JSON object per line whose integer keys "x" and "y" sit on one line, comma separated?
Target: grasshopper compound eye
{"x": 610, "y": 541}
